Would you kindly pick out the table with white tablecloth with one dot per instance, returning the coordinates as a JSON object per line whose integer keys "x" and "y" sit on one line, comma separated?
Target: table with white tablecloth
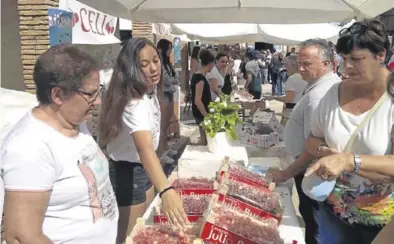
{"x": 198, "y": 161}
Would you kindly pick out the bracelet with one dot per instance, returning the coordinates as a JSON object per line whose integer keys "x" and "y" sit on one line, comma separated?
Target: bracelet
{"x": 165, "y": 190}
{"x": 357, "y": 163}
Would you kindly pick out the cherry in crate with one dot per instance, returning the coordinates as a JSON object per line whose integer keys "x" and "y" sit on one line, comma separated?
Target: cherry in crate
{"x": 193, "y": 183}
{"x": 194, "y": 206}
{"x": 228, "y": 226}
{"x": 148, "y": 234}
{"x": 241, "y": 173}
{"x": 256, "y": 196}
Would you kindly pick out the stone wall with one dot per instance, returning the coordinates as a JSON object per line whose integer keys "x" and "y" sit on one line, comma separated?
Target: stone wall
{"x": 34, "y": 33}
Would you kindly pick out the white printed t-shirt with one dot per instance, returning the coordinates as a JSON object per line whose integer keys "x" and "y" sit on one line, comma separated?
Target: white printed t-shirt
{"x": 215, "y": 74}
{"x": 138, "y": 115}
{"x": 82, "y": 208}
{"x": 296, "y": 84}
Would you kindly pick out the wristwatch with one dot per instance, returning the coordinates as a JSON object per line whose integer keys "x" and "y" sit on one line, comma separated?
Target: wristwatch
{"x": 357, "y": 163}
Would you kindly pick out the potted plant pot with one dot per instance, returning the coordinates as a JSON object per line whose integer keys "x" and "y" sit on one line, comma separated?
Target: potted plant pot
{"x": 219, "y": 144}
{"x": 220, "y": 123}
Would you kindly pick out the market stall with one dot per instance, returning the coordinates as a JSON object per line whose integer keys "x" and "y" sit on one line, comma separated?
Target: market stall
{"x": 235, "y": 11}
{"x": 284, "y": 34}
{"x": 197, "y": 161}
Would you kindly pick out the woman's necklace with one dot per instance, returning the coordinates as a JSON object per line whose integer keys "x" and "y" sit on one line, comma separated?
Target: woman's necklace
{"x": 358, "y": 104}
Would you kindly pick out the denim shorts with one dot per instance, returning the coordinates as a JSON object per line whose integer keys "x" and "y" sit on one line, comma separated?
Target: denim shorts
{"x": 130, "y": 182}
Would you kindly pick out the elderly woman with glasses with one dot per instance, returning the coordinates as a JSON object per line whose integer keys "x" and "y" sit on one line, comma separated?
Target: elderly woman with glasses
{"x": 352, "y": 137}
{"x": 56, "y": 178}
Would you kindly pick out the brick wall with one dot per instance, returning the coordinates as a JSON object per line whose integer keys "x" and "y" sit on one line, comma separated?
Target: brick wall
{"x": 34, "y": 33}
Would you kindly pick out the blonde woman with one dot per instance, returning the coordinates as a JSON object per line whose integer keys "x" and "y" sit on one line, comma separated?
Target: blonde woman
{"x": 294, "y": 88}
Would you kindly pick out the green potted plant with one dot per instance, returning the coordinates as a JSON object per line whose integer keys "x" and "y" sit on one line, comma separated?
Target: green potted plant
{"x": 220, "y": 124}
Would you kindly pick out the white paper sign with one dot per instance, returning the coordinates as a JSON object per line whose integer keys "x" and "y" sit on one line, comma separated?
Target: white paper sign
{"x": 91, "y": 26}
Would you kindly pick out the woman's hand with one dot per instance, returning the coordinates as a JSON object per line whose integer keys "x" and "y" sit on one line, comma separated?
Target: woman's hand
{"x": 330, "y": 167}
{"x": 173, "y": 208}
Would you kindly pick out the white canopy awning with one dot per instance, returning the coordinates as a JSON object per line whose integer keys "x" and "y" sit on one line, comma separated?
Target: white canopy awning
{"x": 241, "y": 11}
{"x": 275, "y": 34}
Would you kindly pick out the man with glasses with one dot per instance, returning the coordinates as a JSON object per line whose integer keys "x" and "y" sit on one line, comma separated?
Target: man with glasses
{"x": 315, "y": 68}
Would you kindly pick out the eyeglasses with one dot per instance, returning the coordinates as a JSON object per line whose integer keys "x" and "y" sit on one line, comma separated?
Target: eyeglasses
{"x": 356, "y": 28}
{"x": 92, "y": 96}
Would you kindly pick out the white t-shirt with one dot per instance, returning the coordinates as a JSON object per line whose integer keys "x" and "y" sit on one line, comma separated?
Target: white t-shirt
{"x": 298, "y": 127}
{"x": 336, "y": 126}
{"x": 215, "y": 74}
{"x": 82, "y": 206}
{"x": 237, "y": 63}
{"x": 138, "y": 115}
{"x": 296, "y": 84}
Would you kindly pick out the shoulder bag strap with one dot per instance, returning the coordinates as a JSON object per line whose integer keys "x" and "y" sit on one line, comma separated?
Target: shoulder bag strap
{"x": 375, "y": 108}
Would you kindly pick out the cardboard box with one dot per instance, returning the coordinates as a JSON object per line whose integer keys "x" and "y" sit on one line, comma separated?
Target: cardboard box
{"x": 217, "y": 235}
{"x": 267, "y": 118}
{"x": 214, "y": 233}
{"x": 247, "y": 208}
{"x": 241, "y": 96}
{"x": 257, "y": 140}
{"x": 140, "y": 225}
{"x": 248, "y": 177}
{"x": 281, "y": 130}
{"x": 160, "y": 218}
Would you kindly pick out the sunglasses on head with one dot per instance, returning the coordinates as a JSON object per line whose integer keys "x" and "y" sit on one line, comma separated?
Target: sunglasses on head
{"x": 356, "y": 28}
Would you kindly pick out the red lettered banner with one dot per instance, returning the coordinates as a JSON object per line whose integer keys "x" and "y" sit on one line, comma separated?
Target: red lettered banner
{"x": 196, "y": 192}
{"x": 91, "y": 26}
{"x": 217, "y": 235}
{"x": 245, "y": 208}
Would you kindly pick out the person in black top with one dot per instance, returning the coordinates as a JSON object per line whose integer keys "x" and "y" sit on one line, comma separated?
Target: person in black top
{"x": 228, "y": 78}
{"x": 201, "y": 94}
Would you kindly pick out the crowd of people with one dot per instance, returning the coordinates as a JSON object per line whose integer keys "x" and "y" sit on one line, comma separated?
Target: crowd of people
{"x": 338, "y": 111}
{"x": 339, "y": 123}
{"x": 342, "y": 130}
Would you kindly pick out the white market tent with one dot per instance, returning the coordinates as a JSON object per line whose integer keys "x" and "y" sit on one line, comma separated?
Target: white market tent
{"x": 291, "y": 34}
{"x": 242, "y": 11}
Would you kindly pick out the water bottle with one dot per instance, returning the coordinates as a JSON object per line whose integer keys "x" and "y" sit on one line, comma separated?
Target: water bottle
{"x": 317, "y": 188}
